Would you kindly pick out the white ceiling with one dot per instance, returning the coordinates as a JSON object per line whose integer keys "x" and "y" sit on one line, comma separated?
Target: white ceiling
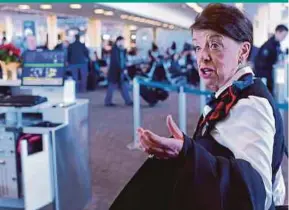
{"x": 177, "y": 14}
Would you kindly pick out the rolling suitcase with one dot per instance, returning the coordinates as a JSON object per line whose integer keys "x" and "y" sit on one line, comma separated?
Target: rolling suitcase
{"x": 149, "y": 95}
{"x": 91, "y": 81}
{"x": 153, "y": 95}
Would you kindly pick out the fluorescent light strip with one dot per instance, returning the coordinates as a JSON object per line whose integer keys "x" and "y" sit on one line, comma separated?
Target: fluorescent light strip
{"x": 23, "y": 6}
{"x": 98, "y": 11}
{"x": 75, "y": 6}
{"x": 46, "y": 6}
{"x": 196, "y": 7}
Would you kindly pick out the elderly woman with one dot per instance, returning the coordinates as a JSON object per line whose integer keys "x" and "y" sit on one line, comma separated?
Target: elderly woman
{"x": 233, "y": 160}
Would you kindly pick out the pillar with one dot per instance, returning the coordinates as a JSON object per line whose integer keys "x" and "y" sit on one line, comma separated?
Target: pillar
{"x": 93, "y": 38}
{"x": 8, "y": 28}
{"x": 126, "y": 35}
{"x": 52, "y": 31}
{"x": 155, "y": 35}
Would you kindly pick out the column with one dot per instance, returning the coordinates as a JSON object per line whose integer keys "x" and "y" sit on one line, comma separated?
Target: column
{"x": 261, "y": 25}
{"x": 8, "y": 28}
{"x": 126, "y": 35}
{"x": 155, "y": 35}
{"x": 94, "y": 35}
{"x": 52, "y": 31}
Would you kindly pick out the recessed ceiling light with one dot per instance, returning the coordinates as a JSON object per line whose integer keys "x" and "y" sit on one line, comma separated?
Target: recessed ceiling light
{"x": 106, "y": 36}
{"x": 98, "y": 11}
{"x": 124, "y": 16}
{"x": 108, "y": 13}
{"x": 158, "y": 23}
{"x": 75, "y": 6}
{"x": 239, "y": 5}
{"x": 130, "y": 17}
{"x": 196, "y": 7}
{"x": 45, "y": 6}
{"x": 142, "y": 20}
{"x": 133, "y": 37}
{"x": 132, "y": 27}
{"x": 23, "y": 6}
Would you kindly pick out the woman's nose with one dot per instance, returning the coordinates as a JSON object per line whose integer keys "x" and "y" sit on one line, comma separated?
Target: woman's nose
{"x": 205, "y": 55}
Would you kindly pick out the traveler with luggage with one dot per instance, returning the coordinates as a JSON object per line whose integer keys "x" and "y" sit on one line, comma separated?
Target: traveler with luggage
{"x": 116, "y": 74}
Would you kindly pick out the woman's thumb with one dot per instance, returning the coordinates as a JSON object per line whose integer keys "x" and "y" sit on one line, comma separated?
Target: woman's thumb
{"x": 173, "y": 128}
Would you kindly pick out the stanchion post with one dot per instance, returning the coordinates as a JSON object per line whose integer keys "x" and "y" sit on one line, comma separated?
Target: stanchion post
{"x": 182, "y": 110}
{"x": 136, "y": 114}
{"x": 202, "y": 97}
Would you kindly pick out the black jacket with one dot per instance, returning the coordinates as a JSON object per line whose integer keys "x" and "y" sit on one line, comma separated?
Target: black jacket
{"x": 267, "y": 57}
{"x": 117, "y": 66}
{"x": 77, "y": 53}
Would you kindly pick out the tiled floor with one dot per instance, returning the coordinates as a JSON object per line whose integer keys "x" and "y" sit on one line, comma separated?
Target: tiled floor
{"x": 111, "y": 129}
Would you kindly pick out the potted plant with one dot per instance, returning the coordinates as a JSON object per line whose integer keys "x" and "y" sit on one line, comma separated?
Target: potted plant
{"x": 10, "y": 60}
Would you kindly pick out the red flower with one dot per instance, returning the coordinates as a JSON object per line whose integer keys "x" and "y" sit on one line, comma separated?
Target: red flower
{"x": 11, "y": 48}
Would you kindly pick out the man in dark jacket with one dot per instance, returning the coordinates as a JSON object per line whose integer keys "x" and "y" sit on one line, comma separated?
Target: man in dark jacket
{"x": 116, "y": 73}
{"x": 268, "y": 56}
{"x": 77, "y": 58}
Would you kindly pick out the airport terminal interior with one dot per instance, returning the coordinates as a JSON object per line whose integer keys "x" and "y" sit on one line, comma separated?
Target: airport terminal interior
{"x": 68, "y": 126}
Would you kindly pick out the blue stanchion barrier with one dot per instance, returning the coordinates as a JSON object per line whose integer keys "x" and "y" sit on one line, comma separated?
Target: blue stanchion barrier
{"x": 162, "y": 85}
{"x": 283, "y": 106}
{"x": 187, "y": 89}
{"x": 170, "y": 87}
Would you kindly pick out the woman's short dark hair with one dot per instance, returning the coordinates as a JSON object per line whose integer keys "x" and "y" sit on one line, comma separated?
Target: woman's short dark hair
{"x": 226, "y": 20}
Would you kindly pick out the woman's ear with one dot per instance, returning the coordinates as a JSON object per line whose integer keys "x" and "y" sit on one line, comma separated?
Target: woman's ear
{"x": 244, "y": 51}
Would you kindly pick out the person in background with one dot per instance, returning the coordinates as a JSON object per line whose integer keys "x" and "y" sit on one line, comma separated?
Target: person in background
{"x": 60, "y": 43}
{"x": 154, "y": 53}
{"x": 31, "y": 43}
{"x": 268, "y": 55}
{"x": 4, "y": 41}
{"x": 171, "y": 52}
{"x": 233, "y": 161}
{"x": 77, "y": 59}
{"x": 117, "y": 73}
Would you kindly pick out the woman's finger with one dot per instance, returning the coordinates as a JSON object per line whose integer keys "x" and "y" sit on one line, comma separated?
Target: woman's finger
{"x": 149, "y": 141}
{"x": 173, "y": 128}
{"x": 155, "y": 139}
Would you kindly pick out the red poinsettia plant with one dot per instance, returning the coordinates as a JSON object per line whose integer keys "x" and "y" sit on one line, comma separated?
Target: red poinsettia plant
{"x": 9, "y": 53}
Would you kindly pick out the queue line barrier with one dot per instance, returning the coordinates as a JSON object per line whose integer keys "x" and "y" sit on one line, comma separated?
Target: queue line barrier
{"x": 182, "y": 90}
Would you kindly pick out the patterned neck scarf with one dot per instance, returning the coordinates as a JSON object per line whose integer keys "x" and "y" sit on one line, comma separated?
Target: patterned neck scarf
{"x": 222, "y": 105}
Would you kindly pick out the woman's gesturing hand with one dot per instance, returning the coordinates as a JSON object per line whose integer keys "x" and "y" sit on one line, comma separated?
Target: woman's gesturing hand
{"x": 162, "y": 147}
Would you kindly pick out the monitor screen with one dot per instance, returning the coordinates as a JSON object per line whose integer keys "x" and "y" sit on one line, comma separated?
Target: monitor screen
{"x": 43, "y": 68}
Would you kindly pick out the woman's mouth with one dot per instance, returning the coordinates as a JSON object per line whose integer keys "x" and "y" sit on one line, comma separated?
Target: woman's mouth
{"x": 206, "y": 72}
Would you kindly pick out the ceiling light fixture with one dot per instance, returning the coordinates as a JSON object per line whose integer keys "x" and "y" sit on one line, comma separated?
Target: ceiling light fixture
{"x": 108, "y": 13}
{"x": 23, "y": 6}
{"x": 239, "y": 5}
{"x": 98, "y": 11}
{"x": 124, "y": 16}
{"x": 75, "y": 6}
{"x": 133, "y": 37}
{"x": 132, "y": 27}
{"x": 158, "y": 23}
{"x": 196, "y": 7}
{"x": 46, "y": 6}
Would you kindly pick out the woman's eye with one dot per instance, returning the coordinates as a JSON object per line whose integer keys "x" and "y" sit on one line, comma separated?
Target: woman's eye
{"x": 214, "y": 46}
{"x": 197, "y": 48}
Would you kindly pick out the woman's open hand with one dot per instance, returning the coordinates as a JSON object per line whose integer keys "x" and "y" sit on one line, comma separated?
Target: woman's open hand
{"x": 162, "y": 147}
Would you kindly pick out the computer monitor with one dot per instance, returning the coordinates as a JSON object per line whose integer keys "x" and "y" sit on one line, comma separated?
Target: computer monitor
{"x": 43, "y": 68}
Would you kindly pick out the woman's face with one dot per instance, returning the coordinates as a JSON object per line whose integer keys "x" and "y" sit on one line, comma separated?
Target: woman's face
{"x": 217, "y": 57}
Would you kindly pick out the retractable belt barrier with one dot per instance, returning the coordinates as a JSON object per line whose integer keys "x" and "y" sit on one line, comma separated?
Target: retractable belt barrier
{"x": 182, "y": 89}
